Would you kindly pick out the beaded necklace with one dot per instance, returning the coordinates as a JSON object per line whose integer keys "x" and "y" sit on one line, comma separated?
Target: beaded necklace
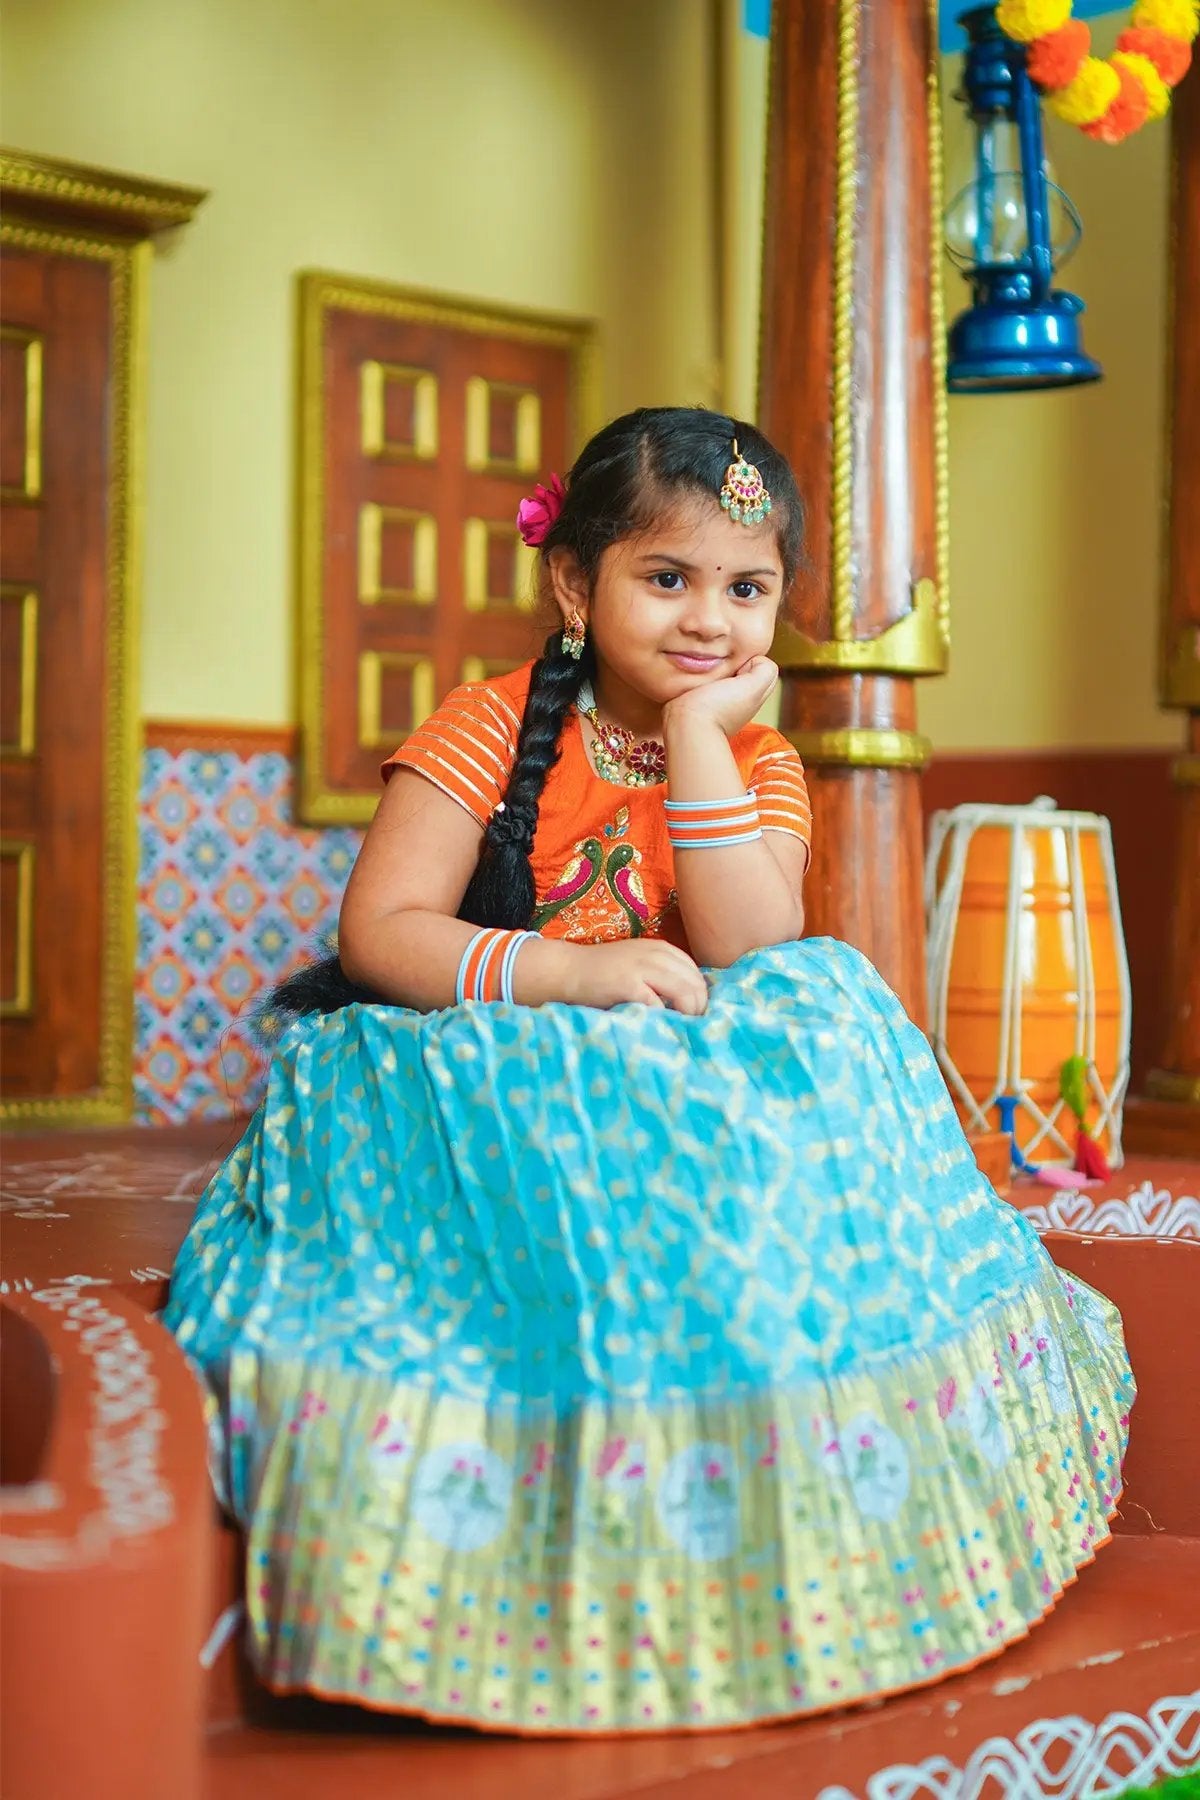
{"x": 619, "y": 756}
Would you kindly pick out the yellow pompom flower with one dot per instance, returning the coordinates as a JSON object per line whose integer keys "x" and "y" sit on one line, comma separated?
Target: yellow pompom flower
{"x": 1178, "y": 18}
{"x": 1025, "y": 20}
{"x": 1089, "y": 96}
{"x": 1158, "y": 94}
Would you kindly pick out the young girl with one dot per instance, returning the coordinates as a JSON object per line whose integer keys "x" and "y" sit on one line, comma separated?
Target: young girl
{"x": 608, "y": 1327}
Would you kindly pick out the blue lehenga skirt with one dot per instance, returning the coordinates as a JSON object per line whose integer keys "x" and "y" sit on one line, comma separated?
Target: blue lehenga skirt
{"x": 588, "y": 1371}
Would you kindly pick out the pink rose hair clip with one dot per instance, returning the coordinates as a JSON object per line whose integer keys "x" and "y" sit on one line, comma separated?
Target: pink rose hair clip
{"x": 537, "y": 513}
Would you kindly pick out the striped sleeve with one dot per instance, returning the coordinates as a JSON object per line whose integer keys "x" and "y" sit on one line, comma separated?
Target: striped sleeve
{"x": 777, "y": 783}
{"x": 466, "y": 748}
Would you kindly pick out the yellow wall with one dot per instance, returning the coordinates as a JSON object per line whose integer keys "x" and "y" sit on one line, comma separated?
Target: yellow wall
{"x": 565, "y": 157}
{"x": 524, "y": 151}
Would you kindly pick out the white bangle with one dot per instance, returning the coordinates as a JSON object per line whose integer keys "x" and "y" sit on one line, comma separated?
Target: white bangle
{"x": 485, "y": 971}
{"x": 511, "y": 952}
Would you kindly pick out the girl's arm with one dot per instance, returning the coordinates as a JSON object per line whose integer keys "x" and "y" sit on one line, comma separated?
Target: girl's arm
{"x": 740, "y": 897}
{"x": 398, "y": 935}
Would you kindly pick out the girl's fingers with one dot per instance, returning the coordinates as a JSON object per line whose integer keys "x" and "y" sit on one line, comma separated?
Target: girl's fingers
{"x": 674, "y": 955}
{"x": 683, "y": 996}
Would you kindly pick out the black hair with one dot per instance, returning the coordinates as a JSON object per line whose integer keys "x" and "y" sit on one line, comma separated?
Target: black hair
{"x": 625, "y": 478}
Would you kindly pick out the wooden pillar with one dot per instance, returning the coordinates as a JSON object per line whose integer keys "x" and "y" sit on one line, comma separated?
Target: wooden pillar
{"x": 853, "y": 390}
{"x": 1176, "y": 1082}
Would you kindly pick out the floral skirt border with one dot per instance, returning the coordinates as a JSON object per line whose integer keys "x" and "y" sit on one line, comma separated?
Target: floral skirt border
{"x": 641, "y": 1568}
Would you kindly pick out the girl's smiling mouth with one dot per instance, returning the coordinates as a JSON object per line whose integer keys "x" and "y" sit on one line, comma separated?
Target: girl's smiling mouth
{"x": 693, "y": 662}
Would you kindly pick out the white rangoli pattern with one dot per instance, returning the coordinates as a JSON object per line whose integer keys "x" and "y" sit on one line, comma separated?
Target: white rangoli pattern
{"x": 1068, "y": 1758}
{"x": 1146, "y": 1211}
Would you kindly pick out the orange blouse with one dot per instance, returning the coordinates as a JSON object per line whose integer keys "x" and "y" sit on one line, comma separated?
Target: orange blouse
{"x": 602, "y": 865}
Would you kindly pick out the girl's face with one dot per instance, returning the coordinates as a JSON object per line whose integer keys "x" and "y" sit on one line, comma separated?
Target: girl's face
{"x": 680, "y": 605}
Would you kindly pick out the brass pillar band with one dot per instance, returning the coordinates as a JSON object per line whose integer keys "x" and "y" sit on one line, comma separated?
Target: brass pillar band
{"x": 863, "y": 747}
{"x": 913, "y": 645}
{"x": 1185, "y": 771}
{"x": 1166, "y": 1084}
{"x": 1181, "y": 669}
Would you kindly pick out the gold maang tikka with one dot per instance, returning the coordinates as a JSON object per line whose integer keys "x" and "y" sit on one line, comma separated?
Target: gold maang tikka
{"x": 744, "y": 496}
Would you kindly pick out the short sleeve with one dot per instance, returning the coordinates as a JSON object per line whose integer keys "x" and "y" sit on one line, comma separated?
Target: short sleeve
{"x": 777, "y": 783}
{"x": 466, "y": 748}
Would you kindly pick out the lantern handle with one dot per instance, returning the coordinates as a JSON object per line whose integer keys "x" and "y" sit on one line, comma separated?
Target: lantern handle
{"x": 1028, "y": 111}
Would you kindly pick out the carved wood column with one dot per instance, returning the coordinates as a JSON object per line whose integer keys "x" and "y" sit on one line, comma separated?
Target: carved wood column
{"x": 1177, "y": 1080}
{"x": 852, "y": 389}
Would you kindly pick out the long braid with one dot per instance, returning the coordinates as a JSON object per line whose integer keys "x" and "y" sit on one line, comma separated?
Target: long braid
{"x": 315, "y": 987}
{"x": 501, "y": 891}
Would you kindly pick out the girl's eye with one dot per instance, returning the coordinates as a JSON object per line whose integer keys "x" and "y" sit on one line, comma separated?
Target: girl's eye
{"x": 669, "y": 581}
{"x": 746, "y": 590}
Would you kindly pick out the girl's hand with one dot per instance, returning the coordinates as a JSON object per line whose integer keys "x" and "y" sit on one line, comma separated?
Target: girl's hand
{"x": 730, "y": 702}
{"x": 644, "y": 970}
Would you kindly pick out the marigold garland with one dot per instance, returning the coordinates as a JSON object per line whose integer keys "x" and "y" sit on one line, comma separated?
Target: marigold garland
{"x": 1108, "y": 98}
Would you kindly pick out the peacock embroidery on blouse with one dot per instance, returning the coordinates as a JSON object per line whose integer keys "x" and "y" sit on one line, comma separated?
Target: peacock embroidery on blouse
{"x": 600, "y": 896}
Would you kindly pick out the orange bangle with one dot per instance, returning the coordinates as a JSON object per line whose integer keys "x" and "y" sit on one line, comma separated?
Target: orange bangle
{"x": 712, "y": 824}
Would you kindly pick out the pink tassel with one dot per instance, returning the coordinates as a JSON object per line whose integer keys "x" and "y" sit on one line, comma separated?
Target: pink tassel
{"x": 1051, "y": 1176}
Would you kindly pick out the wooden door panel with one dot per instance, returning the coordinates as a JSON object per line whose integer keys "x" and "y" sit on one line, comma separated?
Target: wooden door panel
{"x": 57, "y": 310}
{"x": 424, "y": 425}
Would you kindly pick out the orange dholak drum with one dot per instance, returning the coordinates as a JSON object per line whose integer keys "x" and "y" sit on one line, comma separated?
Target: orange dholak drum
{"x": 1027, "y": 968}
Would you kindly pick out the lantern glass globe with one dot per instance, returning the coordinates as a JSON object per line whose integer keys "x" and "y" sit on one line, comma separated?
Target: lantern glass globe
{"x": 986, "y": 224}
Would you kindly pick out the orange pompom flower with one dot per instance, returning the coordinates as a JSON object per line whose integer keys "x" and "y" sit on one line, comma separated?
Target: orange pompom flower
{"x": 1129, "y": 110}
{"x": 1057, "y": 58}
{"x": 1171, "y": 56}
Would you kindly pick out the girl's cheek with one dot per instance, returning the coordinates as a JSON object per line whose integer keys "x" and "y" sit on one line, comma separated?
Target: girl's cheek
{"x": 621, "y": 611}
{"x": 758, "y": 627}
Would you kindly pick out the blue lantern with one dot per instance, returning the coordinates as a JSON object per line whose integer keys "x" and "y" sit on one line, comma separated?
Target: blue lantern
{"x": 1008, "y": 229}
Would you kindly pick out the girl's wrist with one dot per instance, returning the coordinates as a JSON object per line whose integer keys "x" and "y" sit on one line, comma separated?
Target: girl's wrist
{"x": 688, "y": 726}
{"x": 547, "y": 969}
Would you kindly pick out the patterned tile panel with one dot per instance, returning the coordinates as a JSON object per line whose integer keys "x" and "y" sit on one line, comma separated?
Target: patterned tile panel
{"x": 231, "y": 895}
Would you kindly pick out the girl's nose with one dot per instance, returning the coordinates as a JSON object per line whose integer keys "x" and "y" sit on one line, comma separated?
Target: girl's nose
{"x": 706, "y": 615}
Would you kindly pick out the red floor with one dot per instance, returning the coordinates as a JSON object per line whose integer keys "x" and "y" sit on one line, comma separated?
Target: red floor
{"x": 1107, "y": 1688}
